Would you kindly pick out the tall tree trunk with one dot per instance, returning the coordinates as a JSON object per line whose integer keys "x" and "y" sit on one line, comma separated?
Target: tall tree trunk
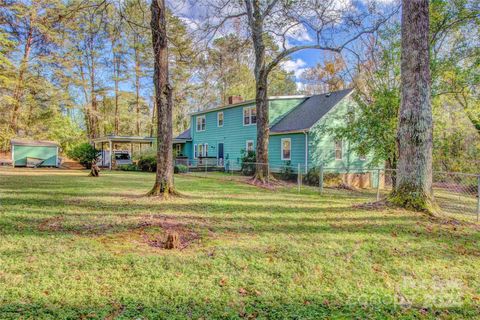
{"x": 152, "y": 126}
{"x": 261, "y": 99}
{"x": 414, "y": 135}
{"x": 19, "y": 87}
{"x": 164, "y": 99}
{"x": 137, "y": 86}
{"x": 116, "y": 80}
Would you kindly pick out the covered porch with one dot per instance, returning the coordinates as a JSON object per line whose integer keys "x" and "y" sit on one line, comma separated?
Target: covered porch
{"x": 112, "y": 142}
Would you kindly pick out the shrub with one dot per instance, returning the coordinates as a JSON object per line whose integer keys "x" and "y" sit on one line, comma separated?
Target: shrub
{"x": 180, "y": 168}
{"x": 147, "y": 163}
{"x": 128, "y": 167}
{"x": 312, "y": 177}
{"x": 287, "y": 171}
{"x": 248, "y": 163}
{"x": 84, "y": 153}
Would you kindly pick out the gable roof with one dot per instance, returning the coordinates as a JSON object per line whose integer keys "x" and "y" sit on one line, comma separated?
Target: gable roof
{"x": 306, "y": 114}
{"x": 185, "y": 135}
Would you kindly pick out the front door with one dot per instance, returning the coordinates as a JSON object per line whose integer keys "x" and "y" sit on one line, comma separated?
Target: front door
{"x": 220, "y": 154}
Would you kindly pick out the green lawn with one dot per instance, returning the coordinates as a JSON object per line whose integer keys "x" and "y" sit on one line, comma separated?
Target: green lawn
{"x": 74, "y": 247}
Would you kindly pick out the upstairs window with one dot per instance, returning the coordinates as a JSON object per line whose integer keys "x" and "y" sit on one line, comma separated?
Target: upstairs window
{"x": 338, "y": 150}
{"x": 249, "y": 115}
{"x": 201, "y": 123}
{"x": 220, "y": 119}
{"x": 286, "y": 149}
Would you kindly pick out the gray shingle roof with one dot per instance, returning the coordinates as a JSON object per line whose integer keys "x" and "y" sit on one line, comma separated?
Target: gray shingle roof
{"x": 305, "y": 115}
{"x": 184, "y": 135}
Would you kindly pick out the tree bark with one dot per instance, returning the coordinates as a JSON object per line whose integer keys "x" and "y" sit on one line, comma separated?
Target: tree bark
{"x": 164, "y": 99}
{"x": 414, "y": 133}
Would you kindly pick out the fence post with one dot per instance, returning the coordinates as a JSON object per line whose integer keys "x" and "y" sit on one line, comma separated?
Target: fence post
{"x": 478, "y": 197}
{"x": 378, "y": 184}
{"x": 298, "y": 177}
{"x": 320, "y": 179}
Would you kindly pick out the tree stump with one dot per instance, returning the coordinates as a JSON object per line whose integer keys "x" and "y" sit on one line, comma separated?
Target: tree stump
{"x": 95, "y": 170}
{"x": 173, "y": 241}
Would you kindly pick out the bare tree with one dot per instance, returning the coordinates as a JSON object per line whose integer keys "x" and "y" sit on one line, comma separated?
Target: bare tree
{"x": 335, "y": 24}
{"x": 164, "y": 102}
{"x": 414, "y": 133}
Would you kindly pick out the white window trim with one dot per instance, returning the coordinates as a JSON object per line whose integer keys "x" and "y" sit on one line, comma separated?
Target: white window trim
{"x": 195, "y": 151}
{"x": 250, "y": 108}
{"x": 281, "y": 148}
{"x": 246, "y": 145}
{"x": 218, "y": 119}
{"x": 196, "y": 123}
{"x": 335, "y": 149}
{"x": 205, "y": 150}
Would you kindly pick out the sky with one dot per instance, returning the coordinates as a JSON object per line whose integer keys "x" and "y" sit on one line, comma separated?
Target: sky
{"x": 196, "y": 13}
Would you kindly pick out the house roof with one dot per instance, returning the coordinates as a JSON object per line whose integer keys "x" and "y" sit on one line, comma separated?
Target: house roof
{"x": 306, "y": 114}
{"x": 36, "y": 143}
{"x": 246, "y": 102}
{"x": 185, "y": 135}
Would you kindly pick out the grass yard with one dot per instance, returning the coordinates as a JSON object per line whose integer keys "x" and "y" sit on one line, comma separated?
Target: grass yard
{"x": 74, "y": 247}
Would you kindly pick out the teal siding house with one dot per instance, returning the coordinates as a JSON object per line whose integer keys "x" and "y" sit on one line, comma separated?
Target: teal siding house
{"x": 300, "y": 133}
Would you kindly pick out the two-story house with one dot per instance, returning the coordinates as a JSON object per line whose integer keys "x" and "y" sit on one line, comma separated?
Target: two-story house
{"x": 299, "y": 132}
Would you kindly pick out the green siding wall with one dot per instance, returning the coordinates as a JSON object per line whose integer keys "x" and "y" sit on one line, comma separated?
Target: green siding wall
{"x": 297, "y": 154}
{"x": 20, "y": 154}
{"x": 321, "y": 143}
{"x": 234, "y": 134}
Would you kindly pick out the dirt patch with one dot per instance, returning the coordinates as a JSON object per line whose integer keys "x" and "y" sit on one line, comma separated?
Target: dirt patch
{"x": 376, "y": 205}
{"x": 51, "y": 224}
{"x": 186, "y": 235}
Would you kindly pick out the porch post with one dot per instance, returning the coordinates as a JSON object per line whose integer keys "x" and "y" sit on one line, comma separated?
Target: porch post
{"x": 111, "y": 153}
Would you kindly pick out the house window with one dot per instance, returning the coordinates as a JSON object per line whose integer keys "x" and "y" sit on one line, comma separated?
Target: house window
{"x": 286, "y": 148}
{"x": 249, "y": 146}
{"x": 200, "y": 150}
{"x": 338, "y": 150}
{"x": 249, "y": 115}
{"x": 195, "y": 151}
{"x": 205, "y": 150}
{"x": 201, "y": 123}
{"x": 178, "y": 149}
{"x": 362, "y": 157}
{"x": 220, "y": 119}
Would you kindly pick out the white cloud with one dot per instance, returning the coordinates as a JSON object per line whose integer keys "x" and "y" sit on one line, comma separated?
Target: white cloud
{"x": 296, "y": 66}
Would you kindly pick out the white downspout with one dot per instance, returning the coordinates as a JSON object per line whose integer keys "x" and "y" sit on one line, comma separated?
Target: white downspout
{"x": 306, "y": 151}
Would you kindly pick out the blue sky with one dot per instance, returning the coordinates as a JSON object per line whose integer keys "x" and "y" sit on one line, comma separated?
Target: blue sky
{"x": 195, "y": 13}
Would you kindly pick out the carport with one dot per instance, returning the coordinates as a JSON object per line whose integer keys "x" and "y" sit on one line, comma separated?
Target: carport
{"x": 111, "y": 140}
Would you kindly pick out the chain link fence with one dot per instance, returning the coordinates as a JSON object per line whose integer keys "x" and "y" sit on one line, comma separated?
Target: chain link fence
{"x": 455, "y": 193}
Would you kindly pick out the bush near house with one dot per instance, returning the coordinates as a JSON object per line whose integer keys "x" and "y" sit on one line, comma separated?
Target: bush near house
{"x": 248, "y": 163}
{"x": 147, "y": 163}
{"x": 84, "y": 153}
{"x": 180, "y": 168}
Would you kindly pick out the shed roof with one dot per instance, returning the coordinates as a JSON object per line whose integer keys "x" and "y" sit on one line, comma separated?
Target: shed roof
{"x": 305, "y": 115}
{"x": 35, "y": 143}
{"x": 185, "y": 135}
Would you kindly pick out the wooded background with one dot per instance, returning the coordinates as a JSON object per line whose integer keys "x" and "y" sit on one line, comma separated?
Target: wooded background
{"x": 74, "y": 70}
